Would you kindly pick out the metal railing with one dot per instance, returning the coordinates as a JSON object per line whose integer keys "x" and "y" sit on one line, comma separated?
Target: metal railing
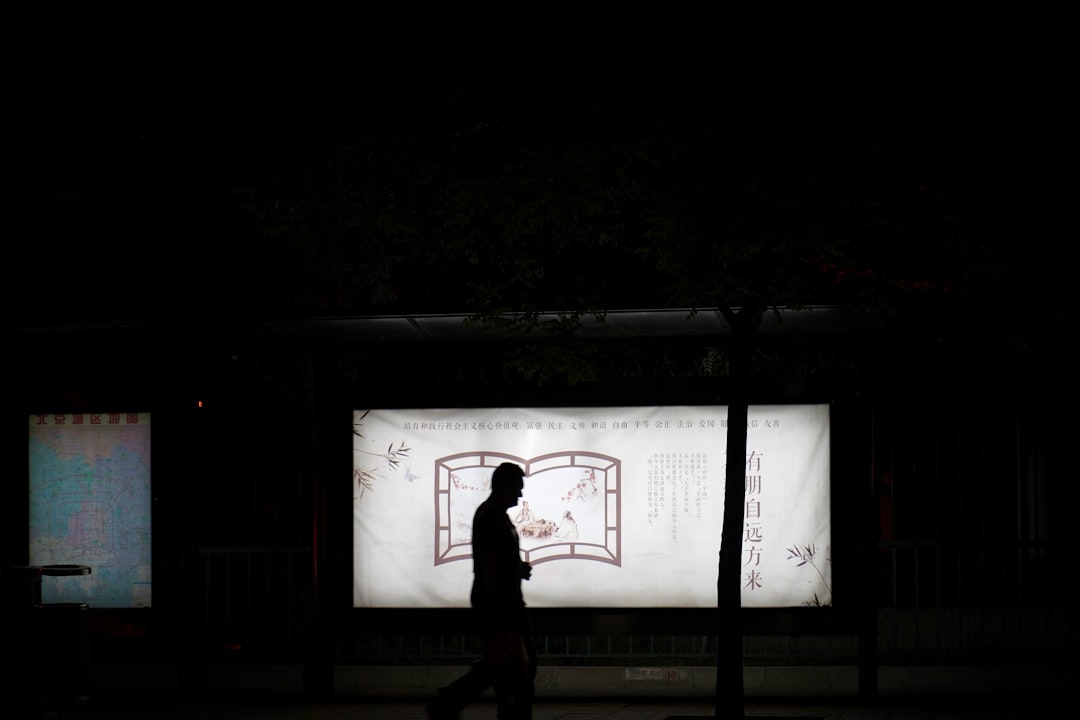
{"x": 973, "y": 543}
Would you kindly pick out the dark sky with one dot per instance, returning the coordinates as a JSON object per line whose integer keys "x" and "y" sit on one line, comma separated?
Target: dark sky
{"x": 145, "y": 118}
{"x": 85, "y": 72}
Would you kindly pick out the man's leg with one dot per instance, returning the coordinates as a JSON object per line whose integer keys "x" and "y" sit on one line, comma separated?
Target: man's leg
{"x": 455, "y": 696}
{"x": 515, "y": 685}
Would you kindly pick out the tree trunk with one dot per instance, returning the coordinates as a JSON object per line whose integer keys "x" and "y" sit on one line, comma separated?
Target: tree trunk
{"x": 729, "y": 650}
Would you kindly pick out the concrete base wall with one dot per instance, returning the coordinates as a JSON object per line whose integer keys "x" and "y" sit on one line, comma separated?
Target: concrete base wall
{"x": 577, "y": 682}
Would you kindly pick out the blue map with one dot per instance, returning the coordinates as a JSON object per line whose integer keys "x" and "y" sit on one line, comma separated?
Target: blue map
{"x": 90, "y": 505}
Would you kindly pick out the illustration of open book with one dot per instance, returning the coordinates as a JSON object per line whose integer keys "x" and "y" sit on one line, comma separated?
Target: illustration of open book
{"x": 569, "y": 510}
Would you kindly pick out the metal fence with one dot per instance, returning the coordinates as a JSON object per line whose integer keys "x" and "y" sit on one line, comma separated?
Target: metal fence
{"x": 971, "y": 561}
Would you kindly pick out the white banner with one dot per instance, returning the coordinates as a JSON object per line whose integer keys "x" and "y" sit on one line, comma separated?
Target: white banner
{"x": 622, "y": 506}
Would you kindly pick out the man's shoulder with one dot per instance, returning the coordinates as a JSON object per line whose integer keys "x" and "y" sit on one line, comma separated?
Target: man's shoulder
{"x": 487, "y": 509}
{"x": 491, "y": 517}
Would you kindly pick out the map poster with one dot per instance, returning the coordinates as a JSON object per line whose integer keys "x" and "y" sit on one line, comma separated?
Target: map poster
{"x": 90, "y": 505}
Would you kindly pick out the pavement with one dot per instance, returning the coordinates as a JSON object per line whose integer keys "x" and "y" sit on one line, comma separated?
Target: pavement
{"x": 983, "y": 707}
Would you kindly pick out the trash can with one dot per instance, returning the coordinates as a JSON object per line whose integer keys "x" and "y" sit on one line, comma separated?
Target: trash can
{"x": 63, "y": 636}
{"x": 50, "y": 660}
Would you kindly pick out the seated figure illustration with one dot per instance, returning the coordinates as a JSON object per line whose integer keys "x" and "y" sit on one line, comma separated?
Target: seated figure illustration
{"x": 567, "y": 529}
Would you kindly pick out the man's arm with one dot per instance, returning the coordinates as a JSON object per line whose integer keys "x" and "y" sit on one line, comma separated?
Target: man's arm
{"x": 494, "y": 617}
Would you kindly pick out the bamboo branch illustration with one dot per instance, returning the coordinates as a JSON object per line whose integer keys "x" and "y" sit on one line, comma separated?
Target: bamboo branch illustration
{"x": 365, "y": 476}
{"x": 807, "y": 555}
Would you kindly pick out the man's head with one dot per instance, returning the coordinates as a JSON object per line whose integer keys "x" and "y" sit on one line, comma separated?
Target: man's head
{"x": 507, "y": 482}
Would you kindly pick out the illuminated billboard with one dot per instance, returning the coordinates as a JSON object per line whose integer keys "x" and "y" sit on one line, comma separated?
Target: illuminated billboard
{"x": 622, "y": 507}
{"x": 90, "y": 505}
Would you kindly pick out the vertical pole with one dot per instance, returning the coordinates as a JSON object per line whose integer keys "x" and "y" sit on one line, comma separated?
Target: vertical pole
{"x": 870, "y": 531}
{"x": 729, "y": 637}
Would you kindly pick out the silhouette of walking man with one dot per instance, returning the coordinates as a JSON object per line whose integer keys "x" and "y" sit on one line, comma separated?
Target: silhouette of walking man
{"x": 509, "y": 662}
